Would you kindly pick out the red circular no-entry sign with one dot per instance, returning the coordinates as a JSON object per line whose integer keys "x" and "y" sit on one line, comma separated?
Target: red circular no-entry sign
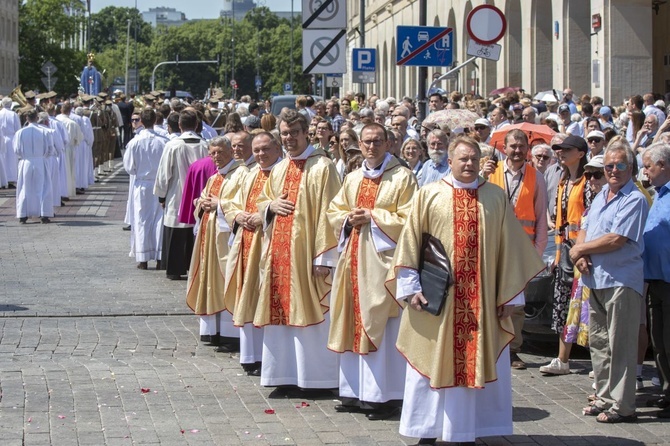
{"x": 486, "y": 24}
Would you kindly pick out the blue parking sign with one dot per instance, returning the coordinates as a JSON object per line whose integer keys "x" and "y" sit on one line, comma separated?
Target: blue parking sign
{"x": 364, "y": 59}
{"x": 287, "y": 86}
{"x": 424, "y": 46}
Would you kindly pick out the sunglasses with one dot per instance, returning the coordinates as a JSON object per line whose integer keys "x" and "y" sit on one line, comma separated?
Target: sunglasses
{"x": 619, "y": 166}
{"x": 594, "y": 175}
{"x": 594, "y": 140}
{"x": 542, "y": 157}
{"x": 480, "y": 127}
{"x": 135, "y": 120}
{"x": 311, "y": 134}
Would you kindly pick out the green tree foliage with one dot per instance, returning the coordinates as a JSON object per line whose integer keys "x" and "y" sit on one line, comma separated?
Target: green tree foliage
{"x": 262, "y": 44}
{"x": 261, "y": 41}
{"x": 48, "y": 31}
{"x": 109, "y": 27}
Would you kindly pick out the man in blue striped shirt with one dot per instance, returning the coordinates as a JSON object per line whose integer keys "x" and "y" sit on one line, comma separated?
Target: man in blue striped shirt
{"x": 656, "y": 161}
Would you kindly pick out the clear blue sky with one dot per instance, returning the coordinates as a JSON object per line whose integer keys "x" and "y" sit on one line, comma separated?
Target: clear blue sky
{"x": 194, "y": 9}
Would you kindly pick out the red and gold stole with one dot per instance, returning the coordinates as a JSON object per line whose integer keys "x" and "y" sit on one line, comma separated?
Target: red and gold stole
{"x": 214, "y": 190}
{"x": 280, "y": 249}
{"x": 467, "y": 306}
{"x": 250, "y": 207}
{"x": 367, "y": 194}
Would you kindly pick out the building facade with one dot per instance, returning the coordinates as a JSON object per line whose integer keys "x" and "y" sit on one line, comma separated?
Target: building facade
{"x": 548, "y": 44}
{"x": 164, "y": 16}
{"x": 9, "y": 45}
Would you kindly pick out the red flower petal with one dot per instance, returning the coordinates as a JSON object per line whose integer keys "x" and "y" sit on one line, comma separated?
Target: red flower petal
{"x": 145, "y": 390}
{"x": 269, "y": 411}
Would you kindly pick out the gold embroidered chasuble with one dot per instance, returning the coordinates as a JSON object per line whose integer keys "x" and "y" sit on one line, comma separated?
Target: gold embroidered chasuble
{"x": 359, "y": 303}
{"x": 493, "y": 260}
{"x": 290, "y": 294}
{"x": 206, "y": 282}
{"x": 244, "y": 267}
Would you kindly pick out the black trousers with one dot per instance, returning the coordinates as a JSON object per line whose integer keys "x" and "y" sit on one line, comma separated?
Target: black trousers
{"x": 177, "y": 250}
{"x": 659, "y": 327}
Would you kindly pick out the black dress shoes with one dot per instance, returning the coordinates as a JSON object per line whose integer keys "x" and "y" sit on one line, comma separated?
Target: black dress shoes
{"x": 383, "y": 414}
{"x": 45, "y": 220}
{"x": 126, "y": 228}
{"x": 23, "y": 220}
{"x": 254, "y": 372}
{"x": 347, "y": 409}
{"x": 424, "y": 441}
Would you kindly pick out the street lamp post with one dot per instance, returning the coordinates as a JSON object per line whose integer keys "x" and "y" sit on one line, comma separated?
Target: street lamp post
{"x": 291, "y": 73}
{"x": 136, "y": 88}
{"x": 232, "y": 47}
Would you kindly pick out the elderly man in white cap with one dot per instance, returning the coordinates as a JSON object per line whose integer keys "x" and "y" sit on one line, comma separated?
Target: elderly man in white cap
{"x": 483, "y": 130}
{"x": 596, "y": 142}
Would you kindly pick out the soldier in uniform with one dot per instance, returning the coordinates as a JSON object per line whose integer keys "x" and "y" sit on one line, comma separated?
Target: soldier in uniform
{"x": 97, "y": 119}
{"x": 112, "y": 132}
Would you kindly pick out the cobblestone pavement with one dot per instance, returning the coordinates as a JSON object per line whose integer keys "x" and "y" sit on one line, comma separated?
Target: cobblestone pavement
{"x": 96, "y": 352}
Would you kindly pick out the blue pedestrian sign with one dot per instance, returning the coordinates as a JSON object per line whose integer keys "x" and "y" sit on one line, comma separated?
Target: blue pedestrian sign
{"x": 424, "y": 46}
{"x": 258, "y": 82}
{"x": 364, "y": 59}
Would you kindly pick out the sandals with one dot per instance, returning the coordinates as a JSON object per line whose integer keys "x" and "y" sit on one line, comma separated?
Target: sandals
{"x": 592, "y": 411}
{"x": 613, "y": 417}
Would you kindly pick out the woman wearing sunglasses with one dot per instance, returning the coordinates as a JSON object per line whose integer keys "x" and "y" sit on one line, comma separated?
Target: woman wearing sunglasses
{"x": 577, "y": 323}
{"x": 572, "y": 199}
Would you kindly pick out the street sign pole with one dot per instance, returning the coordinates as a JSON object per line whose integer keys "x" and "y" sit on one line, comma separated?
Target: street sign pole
{"x": 361, "y": 28}
{"x": 423, "y": 71}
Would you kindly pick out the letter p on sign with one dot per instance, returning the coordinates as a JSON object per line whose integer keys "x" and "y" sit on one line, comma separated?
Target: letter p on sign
{"x": 364, "y": 59}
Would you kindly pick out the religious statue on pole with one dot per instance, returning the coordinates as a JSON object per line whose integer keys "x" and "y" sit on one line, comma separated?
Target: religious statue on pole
{"x": 91, "y": 79}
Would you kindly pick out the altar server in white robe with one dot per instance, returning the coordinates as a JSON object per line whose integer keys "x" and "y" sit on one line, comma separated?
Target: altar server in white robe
{"x": 32, "y": 147}
{"x": 367, "y": 215}
{"x": 52, "y": 161}
{"x": 141, "y": 159}
{"x": 75, "y": 137}
{"x": 9, "y": 125}
{"x": 84, "y": 169}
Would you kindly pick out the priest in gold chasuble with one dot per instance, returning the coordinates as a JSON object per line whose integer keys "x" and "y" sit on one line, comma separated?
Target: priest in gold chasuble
{"x": 205, "y": 287}
{"x": 367, "y": 215}
{"x": 243, "y": 269}
{"x": 300, "y": 249}
{"x": 458, "y": 379}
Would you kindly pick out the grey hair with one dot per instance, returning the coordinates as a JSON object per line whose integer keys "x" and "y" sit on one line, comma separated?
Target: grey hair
{"x": 366, "y": 113}
{"x": 7, "y": 102}
{"x": 221, "y": 141}
{"x": 43, "y": 117}
{"x": 439, "y": 134}
{"x": 621, "y": 145}
{"x": 659, "y": 151}
{"x": 543, "y": 147}
{"x": 79, "y": 111}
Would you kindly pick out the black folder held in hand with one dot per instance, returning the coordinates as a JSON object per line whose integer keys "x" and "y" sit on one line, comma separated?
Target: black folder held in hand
{"x": 435, "y": 274}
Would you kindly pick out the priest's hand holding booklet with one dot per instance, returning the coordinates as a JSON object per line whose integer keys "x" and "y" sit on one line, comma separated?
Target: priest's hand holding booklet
{"x": 435, "y": 275}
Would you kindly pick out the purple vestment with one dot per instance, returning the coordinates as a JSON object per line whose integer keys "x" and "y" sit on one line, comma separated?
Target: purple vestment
{"x": 196, "y": 180}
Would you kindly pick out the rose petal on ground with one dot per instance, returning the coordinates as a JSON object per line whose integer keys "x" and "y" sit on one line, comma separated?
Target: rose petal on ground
{"x": 61, "y": 417}
{"x": 145, "y": 390}
{"x": 181, "y": 430}
{"x": 194, "y": 431}
{"x": 269, "y": 411}
{"x": 30, "y": 420}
